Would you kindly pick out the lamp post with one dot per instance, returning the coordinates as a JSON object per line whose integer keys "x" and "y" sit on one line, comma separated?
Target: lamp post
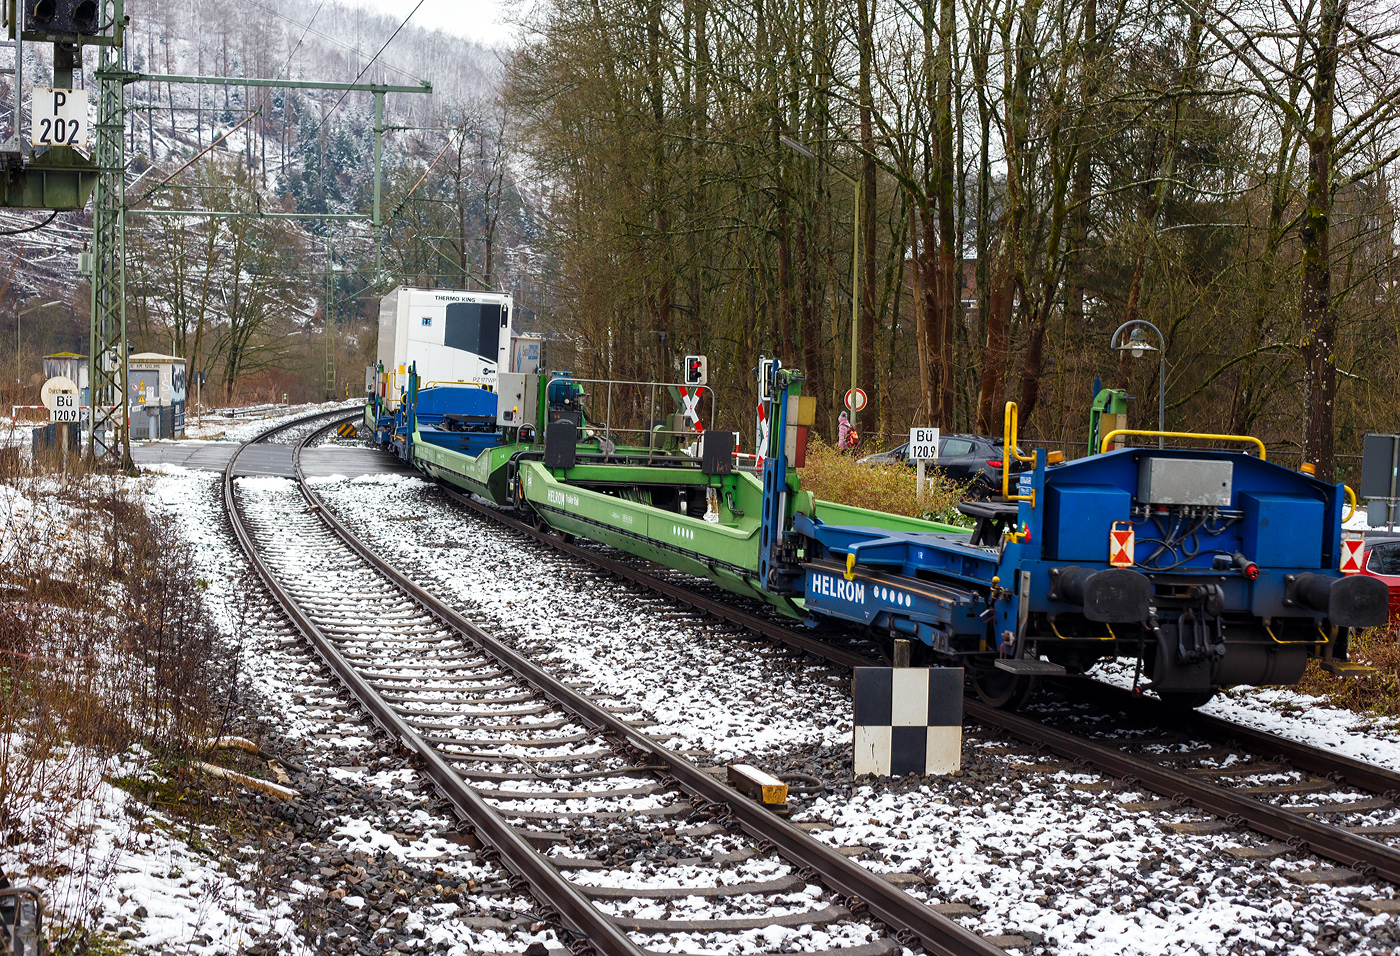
{"x": 1136, "y": 344}
{"x": 18, "y": 316}
{"x": 797, "y": 147}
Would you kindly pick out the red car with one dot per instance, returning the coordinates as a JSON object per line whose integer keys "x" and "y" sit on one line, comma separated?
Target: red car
{"x": 1382, "y": 560}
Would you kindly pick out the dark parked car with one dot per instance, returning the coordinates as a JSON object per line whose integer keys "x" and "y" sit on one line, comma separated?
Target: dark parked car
{"x": 973, "y": 459}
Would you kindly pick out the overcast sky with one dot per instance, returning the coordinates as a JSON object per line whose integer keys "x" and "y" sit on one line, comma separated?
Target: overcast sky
{"x": 474, "y": 19}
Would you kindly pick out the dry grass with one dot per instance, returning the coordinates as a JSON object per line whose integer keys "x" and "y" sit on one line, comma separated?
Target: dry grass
{"x": 104, "y": 646}
{"x": 833, "y": 476}
{"x": 1377, "y": 647}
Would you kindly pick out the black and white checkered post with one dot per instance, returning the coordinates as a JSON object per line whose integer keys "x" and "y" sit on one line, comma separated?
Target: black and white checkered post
{"x": 908, "y": 720}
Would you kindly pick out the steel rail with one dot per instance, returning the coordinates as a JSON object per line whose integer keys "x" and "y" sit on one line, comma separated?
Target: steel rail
{"x": 1357, "y": 773}
{"x": 1370, "y": 857}
{"x": 338, "y": 413}
{"x": 864, "y": 889}
{"x": 679, "y": 592}
{"x": 546, "y": 883}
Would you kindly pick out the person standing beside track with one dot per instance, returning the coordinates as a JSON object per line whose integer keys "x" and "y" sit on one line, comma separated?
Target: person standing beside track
{"x": 847, "y": 438}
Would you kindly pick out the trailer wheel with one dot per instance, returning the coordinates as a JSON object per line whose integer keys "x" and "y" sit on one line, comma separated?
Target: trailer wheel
{"x": 1001, "y": 689}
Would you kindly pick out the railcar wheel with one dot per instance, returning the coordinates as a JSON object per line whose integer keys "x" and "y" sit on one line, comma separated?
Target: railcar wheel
{"x": 1187, "y": 699}
{"x": 1002, "y": 689}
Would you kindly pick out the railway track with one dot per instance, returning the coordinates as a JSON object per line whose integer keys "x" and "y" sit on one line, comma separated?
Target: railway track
{"x": 549, "y": 779}
{"x": 1244, "y": 777}
{"x": 298, "y": 430}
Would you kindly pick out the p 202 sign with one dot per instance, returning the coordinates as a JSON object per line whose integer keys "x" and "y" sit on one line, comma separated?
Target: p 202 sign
{"x": 59, "y": 118}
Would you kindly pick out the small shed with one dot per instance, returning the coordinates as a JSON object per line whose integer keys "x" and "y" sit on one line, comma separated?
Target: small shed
{"x": 156, "y": 392}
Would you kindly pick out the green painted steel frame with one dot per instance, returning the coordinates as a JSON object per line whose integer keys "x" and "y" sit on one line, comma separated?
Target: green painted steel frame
{"x": 58, "y": 179}
{"x": 107, "y": 349}
{"x": 725, "y": 552}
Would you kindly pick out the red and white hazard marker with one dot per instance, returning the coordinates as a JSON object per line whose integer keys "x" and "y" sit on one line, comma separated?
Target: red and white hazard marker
{"x": 1351, "y": 555}
{"x": 1120, "y": 545}
{"x": 690, "y": 412}
{"x": 762, "y": 436}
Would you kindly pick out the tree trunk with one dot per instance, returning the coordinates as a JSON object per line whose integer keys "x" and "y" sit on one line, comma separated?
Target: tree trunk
{"x": 1001, "y": 298}
{"x": 983, "y": 272}
{"x": 1016, "y": 97}
{"x": 663, "y": 297}
{"x": 1318, "y": 312}
{"x": 935, "y": 327}
{"x": 1247, "y": 399}
{"x": 785, "y": 349}
{"x": 1081, "y": 183}
{"x": 916, "y": 269}
{"x": 948, "y": 254}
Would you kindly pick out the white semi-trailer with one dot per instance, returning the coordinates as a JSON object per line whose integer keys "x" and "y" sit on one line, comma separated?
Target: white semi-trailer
{"x": 451, "y": 336}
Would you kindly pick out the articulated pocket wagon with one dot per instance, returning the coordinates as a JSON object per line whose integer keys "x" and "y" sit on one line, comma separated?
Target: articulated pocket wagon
{"x": 1199, "y": 568}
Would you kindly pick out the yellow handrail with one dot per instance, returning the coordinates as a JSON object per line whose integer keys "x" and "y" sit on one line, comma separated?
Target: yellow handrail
{"x": 1008, "y": 452}
{"x": 1070, "y": 637}
{"x": 1108, "y": 439}
{"x": 1279, "y": 640}
{"x": 1351, "y": 502}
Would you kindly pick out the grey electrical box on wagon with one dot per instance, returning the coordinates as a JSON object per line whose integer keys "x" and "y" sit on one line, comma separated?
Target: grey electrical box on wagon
{"x": 1185, "y": 481}
{"x": 519, "y": 399}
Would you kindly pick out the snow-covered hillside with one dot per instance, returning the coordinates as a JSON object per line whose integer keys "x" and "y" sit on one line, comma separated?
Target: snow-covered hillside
{"x": 278, "y": 150}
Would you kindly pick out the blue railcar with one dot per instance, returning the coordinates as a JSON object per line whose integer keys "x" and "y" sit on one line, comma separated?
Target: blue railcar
{"x": 1206, "y": 568}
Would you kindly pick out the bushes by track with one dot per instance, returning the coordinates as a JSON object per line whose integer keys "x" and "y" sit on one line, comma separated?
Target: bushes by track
{"x": 833, "y": 476}
{"x": 105, "y": 651}
{"x": 1377, "y": 647}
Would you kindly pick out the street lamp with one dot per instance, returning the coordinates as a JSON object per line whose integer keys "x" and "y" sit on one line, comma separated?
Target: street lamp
{"x": 1137, "y": 345}
{"x": 797, "y": 147}
{"x": 18, "y": 316}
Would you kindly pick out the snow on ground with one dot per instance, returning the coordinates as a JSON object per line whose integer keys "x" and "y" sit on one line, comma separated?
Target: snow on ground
{"x": 100, "y": 856}
{"x": 1294, "y": 715}
{"x": 1312, "y": 720}
{"x": 684, "y": 671}
{"x": 275, "y": 664}
{"x": 135, "y": 870}
{"x": 218, "y": 427}
{"x": 210, "y": 426}
{"x": 1055, "y": 857}
{"x": 192, "y": 499}
{"x": 1061, "y": 859}
{"x": 1079, "y": 872}
{"x": 116, "y": 862}
{"x": 1359, "y": 522}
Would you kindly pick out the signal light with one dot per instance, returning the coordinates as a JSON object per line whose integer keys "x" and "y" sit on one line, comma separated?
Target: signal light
{"x": 85, "y": 16}
{"x": 994, "y": 464}
{"x": 72, "y": 17}
{"x": 696, "y": 370}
